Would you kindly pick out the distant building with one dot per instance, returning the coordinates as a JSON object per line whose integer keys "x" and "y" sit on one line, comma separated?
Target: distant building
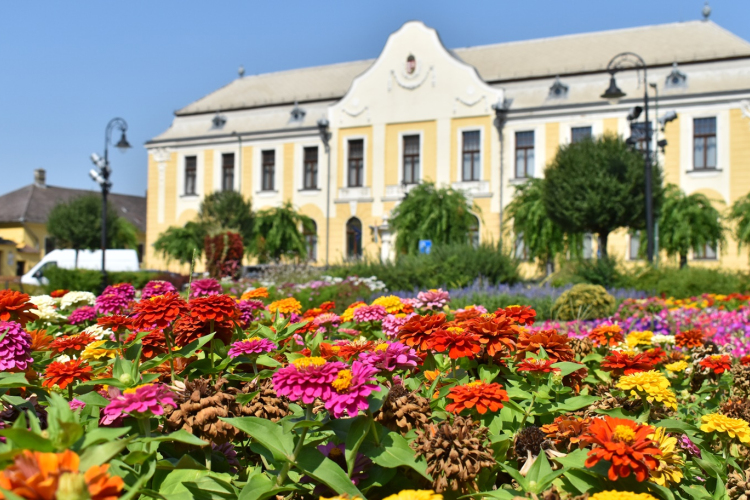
{"x": 421, "y": 112}
{"x": 23, "y": 221}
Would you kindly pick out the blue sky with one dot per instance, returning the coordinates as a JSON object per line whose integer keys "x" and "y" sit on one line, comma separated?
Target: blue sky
{"x": 66, "y": 68}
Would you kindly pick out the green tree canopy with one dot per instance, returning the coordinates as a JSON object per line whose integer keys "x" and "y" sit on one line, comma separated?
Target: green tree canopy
{"x": 278, "y": 235}
{"x": 542, "y": 237}
{"x": 442, "y": 215}
{"x": 739, "y": 214}
{"x": 181, "y": 243}
{"x": 227, "y": 211}
{"x": 688, "y": 221}
{"x": 597, "y": 186}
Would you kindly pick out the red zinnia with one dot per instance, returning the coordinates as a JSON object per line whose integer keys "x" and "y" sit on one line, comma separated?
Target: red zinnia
{"x": 656, "y": 355}
{"x": 625, "y": 363}
{"x": 625, "y": 445}
{"x": 152, "y": 344}
{"x": 536, "y": 366}
{"x": 479, "y": 395}
{"x": 417, "y": 331}
{"x": 606, "y": 335}
{"x": 214, "y": 308}
{"x": 689, "y": 338}
{"x": 158, "y": 312}
{"x": 522, "y": 315}
{"x": 555, "y": 345}
{"x": 72, "y": 344}
{"x": 327, "y": 306}
{"x": 718, "y": 363}
{"x": 116, "y": 322}
{"x": 189, "y": 329}
{"x": 15, "y": 306}
{"x": 467, "y": 314}
{"x": 58, "y": 293}
{"x": 64, "y": 374}
{"x": 745, "y": 360}
{"x": 495, "y": 332}
{"x": 458, "y": 342}
{"x": 353, "y": 348}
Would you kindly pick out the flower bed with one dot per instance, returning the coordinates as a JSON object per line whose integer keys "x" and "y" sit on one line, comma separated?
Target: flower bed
{"x": 154, "y": 395}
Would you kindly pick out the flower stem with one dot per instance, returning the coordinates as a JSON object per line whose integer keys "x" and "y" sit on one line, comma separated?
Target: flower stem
{"x": 70, "y": 392}
{"x": 145, "y": 426}
{"x": 288, "y": 465}
{"x": 528, "y": 411}
{"x": 169, "y": 354}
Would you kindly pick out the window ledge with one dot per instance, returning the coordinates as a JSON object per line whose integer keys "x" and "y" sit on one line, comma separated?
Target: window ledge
{"x": 309, "y": 190}
{"x": 193, "y": 195}
{"x": 705, "y": 172}
{"x": 519, "y": 180}
{"x": 266, "y": 194}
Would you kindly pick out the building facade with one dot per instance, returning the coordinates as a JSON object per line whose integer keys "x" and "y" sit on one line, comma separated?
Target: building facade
{"x": 480, "y": 119}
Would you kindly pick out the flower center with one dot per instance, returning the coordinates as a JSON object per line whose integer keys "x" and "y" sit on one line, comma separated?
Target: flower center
{"x": 253, "y": 339}
{"x": 311, "y": 361}
{"x": 132, "y": 390}
{"x": 716, "y": 358}
{"x": 624, "y": 434}
{"x": 334, "y": 453}
{"x": 381, "y": 347}
{"x": 455, "y": 330}
{"x": 343, "y": 380}
{"x": 474, "y": 384}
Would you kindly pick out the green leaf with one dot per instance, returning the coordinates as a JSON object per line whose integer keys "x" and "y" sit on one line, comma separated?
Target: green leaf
{"x": 181, "y": 484}
{"x": 137, "y": 457}
{"x": 101, "y": 454}
{"x": 10, "y": 495}
{"x": 576, "y": 403}
{"x": 28, "y": 440}
{"x": 357, "y": 433}
{"x": 522, "y": 481}
{"x": 260, "y": 487}
{"x": 488, "y": 373}
{"x": 11, "y": 380}
{"x": 376, "y": 399}
{"x": 321, "y": 468}
{"x": 181, "y": 436}
{"x": 567, "y": 367}
{"x": 394, "y": 451}
{"x": 267, "y": 433}
{"x": 574, "y": 460}
{"x": 677, "y": 426}
{"x": 266, "y": 360}
{"x": 93, "y": 399}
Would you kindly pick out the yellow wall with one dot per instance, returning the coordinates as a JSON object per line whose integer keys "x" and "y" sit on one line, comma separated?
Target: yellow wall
{"x": 552, "y": 141}
{"x": 428, "y": 159}
{"x": 610, "y": 126}
{"x": 246, "y": 188}
{"x": 289, "y": 166}
{"x": 671, "y": 158}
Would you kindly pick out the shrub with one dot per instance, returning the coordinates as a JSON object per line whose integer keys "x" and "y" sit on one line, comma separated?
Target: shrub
{"x": 90, "y": 281}
{"x": 584, "y": 301}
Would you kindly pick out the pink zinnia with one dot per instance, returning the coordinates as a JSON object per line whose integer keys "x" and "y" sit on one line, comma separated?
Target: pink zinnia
{"x": 113, "y": 300}
{"x": 77, "y": 404}
{"x": 349, "y": 331}
{"x": 15, "y": 347}
{"x": 247, "y": 311}
{"x": 143, "y": 401}
{"x": 254, "y": 345}
{"x": 81, "y": 315}
{"x": 390, "y": 357}
{"x": 433, "y": 299}
{"x": 392, "y": 323}
{"x": 327, "y": 319}
{"x": 204, "y": 287}
{"x": 307, "y": 378}
{"x": 369, "y": 313}
{"x": 352, "y": 386}
{"x": 156, "y": 287}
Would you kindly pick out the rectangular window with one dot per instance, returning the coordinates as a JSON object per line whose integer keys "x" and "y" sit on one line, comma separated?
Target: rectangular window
{"x": 227, "y": 172}
{"x": 522, "y": 253}
{"x": 268, "y": 165}
{"x": 706, "y": 252}
{"x": 49, "y": 244}
{"x": 191, "y": 168}
{"x": 524, "y": 154}
{"x": 310, "y": 170}
{"x": 470, "y": 156}
{"x": 411, "y": 159}
{"x": 635, "y": 245}
{"x": 578, "y": 134}
{"x": 356, "y": 163}
{"x": 704, "y": 143}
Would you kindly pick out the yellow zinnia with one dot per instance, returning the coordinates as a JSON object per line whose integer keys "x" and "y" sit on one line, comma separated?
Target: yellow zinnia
{"x": 348, "y": 315}
{"x": 670, "y": 462}
{"x": 620, "y": 495}
{"x": 733, "y": 427}
{"x": 639, "y": 338}
{"x": 652, "y": 385}
{"x": 94, "y": 351}
{"x": 677, "y": 366}
{"x": 391, "y": 303}
{"x": 415, "y": 495}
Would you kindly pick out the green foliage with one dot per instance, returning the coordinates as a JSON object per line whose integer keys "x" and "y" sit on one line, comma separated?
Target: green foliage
{"x": 90, "y": 280}
{"x": 442, "y": 215}
{"x": 543, "y": 238}
{"x": 227, "y": 211}
{"x": 739, "y": 214}
{"x": 278, "y": 235}
{"x": 689, "y": 281}
{"x": 124, "y": 234}
{"x": 597, "y": 186}
{"x": 688, "y": 221}
{"x": 446, "y": 265}
{"x": 584, "y": 301}
{"x": 181, "y": 243}
{"x": 604, "y": 272}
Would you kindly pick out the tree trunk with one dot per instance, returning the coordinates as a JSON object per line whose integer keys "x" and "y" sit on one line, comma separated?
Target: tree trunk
{"x": 603, "y": 237}
{"x": 683, "y": 260}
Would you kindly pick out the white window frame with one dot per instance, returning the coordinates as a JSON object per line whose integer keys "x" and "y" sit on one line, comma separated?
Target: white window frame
{"x": 460, "y": 152}
{"x": 401, "y": 135}
{"x": 218, "y": 179}
{"x": 200, "y": 171}
{"x": 278, "y": 173}
{"x": 364, "y": 159}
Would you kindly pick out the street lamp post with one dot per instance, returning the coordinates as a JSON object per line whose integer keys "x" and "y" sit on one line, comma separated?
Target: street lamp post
{"x": 622, "y": 61}
{"x": 101, "y": 177}
{"x": 325, "y": 136}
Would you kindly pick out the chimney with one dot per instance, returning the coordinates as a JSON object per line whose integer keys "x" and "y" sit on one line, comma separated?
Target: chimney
{"x": 40, "y": 177}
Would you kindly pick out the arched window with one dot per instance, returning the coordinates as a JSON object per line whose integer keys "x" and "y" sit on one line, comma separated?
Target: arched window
{"x": 354, "y": 238}
{"x": 474, "y": 232}
{"x": 311, "y": 240}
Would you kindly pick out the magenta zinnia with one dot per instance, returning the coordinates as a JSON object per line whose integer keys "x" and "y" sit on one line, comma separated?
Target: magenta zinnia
{"x": 391, "y": 356}
{"x": 114, "y": 299}
{"x": 82, "y": 314}
{"x": 307, "y": 378}
{"x": 142, "y": 401}
{"x": 156, "y": 287}
{"x": 369, "y": 313}
{"x": 205, "y": 287}
{"x": 351, "y": 387}
{"x": 251, "y": 346}
{"x": 15, "y": 347}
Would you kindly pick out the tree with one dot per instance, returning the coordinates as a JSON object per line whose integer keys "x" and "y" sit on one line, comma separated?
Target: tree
{"x": 543, "y": 238}
{"x": 278, "y": 235}
{"x": 181, "y": 243}
{"x": 441, "y": 215}
{"x": 688, "y": 221}
{"x": 597, "y": 186}
{"x": 739, "y": 214}
{"x": 77, "y": 224}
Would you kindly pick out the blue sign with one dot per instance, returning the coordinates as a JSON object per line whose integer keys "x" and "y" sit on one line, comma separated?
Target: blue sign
{"x": 425, "y": 246}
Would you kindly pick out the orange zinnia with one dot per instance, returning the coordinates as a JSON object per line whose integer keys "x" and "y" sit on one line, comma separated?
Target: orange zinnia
{"x": 56, "y": 294}
{"x": 717, "y": 363}
{"x": 625, "y": 363}
{"x": 158, "y": 312}
{"x": 72, "y": 344}
{"x": 606, "y": 335}
{"x": 625, "y": 445}
{"x": 467, "y": 314}
{"x": 152, "y": 344}
{"x": 258, "y": 293}
{"x": 16, "y": 306}
{"x": 189, "y": 329}
{"x": 63, "y": 374}
{"x": 353, "y": 348}
{"x": 556, "y": 346}
{"x": 458, "y": 342}
{"x": 417, "y": 331}
{"x": 566, "y": 432}
{"x": 479, "y": 395}
{"x": 532, "y": 365}
{"x": 40, "y": 341}
{"x": 36, "y": 475}
{"x": 285, "y": 306}
{"x": 689, "y": 338}
{"x": 495, "y": 332}
{"x": 522, "y": 315}
{"x": 116, "y": 322}
{"x": 214, "y": 308}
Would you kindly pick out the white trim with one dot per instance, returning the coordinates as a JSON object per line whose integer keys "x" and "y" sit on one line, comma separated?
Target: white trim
{"x": 299, "y": 165}
{"x": 460, "y": 149}
{"x": 535, "y": 149}
{"x": 219, "y": 170}
{"x": 364, "y": 159}
{"x": 401, "y": 135}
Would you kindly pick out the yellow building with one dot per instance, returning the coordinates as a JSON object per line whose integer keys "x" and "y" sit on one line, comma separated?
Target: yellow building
{"x": 480, "y": 119}
{"x": 23, "y": 222}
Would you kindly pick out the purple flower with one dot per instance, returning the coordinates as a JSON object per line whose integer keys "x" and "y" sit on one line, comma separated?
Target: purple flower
{"x": 687, "y": 445}
{"x": 307, "y": 378}
{"x": 206, "y": 286}
{"x": 390, "y": 357}
{"x": 77, "y": 404}
{"x": 254, "y": 345}
{"x": 393, "y": 323}
{"x": 369, "y": 313}
{"x": 433, "y": 299}
{"x": 229, "y": 454}
{"x": 115, "y": 298}
{"x": 143, "y": 401}
{"x": 155, "y": 287}
{"x": 15, "y": 347}
{"x": 247, "y": 311}
{"x": 352, "y": 386}
{"x": 82, "y": 314}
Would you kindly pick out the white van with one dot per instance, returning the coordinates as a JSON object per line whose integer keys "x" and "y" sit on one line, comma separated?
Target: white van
{"x": 117, "y": 260}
